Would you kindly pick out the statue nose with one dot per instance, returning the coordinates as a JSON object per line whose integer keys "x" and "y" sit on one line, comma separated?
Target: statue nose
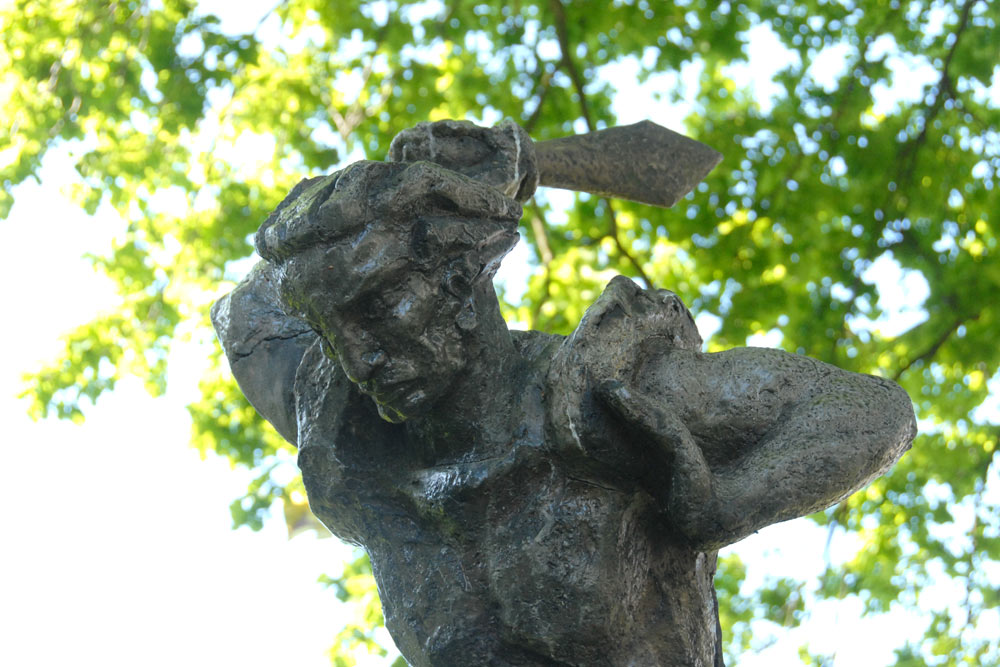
{"x": 361, "y": 358}
{"x": 374, "y": 359}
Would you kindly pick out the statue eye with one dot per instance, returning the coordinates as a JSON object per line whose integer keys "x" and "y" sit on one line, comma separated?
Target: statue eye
{"x": 424, "y": 243}
{"x": 372, "y": 308}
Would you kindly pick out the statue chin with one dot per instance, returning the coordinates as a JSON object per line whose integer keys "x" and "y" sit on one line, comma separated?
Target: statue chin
{"x": 414, "y": 404}
{"x": 390, "y": 414}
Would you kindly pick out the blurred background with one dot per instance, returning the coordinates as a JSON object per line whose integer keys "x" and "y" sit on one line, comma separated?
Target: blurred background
{"x": 150, "y": 517}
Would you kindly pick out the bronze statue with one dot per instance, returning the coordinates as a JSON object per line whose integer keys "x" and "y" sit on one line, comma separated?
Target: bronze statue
{"x": 526, "y": 499}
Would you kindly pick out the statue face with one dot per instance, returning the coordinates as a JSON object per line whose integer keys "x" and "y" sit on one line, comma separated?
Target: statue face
{"x": 393, "y": 326}
{"x": 402, "y": 346}
{"x": 379, "y": 258}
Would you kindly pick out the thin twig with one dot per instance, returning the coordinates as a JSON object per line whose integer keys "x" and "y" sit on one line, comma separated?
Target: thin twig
{"x": 543, "y": 90}
{"x": 935, "y": 346}
{"x": 545, "y": 254}
{"x": 574, "y": 74}
{"x": 347, "y": 123}
{"x": 621, "y": 246}
{"x": 908, "y": 156}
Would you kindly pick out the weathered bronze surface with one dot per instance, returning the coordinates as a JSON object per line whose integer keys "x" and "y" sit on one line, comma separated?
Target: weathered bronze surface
{"x": 526, "y": 499}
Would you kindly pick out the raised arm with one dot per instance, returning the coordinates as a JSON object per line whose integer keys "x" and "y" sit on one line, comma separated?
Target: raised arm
{"x": 756, "y": 436}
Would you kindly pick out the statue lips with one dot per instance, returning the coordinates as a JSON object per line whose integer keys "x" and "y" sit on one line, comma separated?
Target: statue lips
{"x": 392, "y": 393}
{"x": 389, "y": 386}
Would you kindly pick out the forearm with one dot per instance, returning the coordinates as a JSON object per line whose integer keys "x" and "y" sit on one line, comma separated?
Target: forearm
{"x": 678, "y": 474}
{"x": 264, "y": 346}
{"x": 693, "y": 495}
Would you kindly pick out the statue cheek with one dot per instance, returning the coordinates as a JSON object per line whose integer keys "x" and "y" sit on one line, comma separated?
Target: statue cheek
{"x": 301, "y": 288}
{"x": 442, "y": 354}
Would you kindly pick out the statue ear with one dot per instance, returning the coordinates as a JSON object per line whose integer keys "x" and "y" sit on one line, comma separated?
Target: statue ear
{"x": 457, "y": 285}
{"x": 466, "y": 319}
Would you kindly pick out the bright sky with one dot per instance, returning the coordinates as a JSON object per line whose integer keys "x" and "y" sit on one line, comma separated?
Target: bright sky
{"x": 117, "y": 540}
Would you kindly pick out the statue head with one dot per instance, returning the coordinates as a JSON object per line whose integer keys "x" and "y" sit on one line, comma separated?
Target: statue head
{"x": 389, "y": 262}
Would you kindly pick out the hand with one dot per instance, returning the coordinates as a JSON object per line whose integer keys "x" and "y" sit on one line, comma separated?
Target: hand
{"x": 379, "y": 197}
{"x": 626, "y": 322}
{"x": 502, "y": 156}
{"x": 681, "y": 479}
{"x": 649, "y": 421}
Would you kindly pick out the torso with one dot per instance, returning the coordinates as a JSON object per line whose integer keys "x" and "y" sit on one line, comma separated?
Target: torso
{"x": 535, "y": 557}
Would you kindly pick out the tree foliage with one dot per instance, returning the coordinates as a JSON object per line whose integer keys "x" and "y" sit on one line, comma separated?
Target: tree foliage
{"x": 193, "y": 133}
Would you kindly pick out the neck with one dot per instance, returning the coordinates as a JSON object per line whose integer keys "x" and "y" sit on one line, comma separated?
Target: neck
{"x": 473, "y": 421}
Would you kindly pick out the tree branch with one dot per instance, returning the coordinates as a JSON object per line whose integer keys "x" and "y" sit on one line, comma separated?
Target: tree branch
{"x": 567, "y": 60}
{"x": 543, "y": 90}
{"x": 347, "y": 123}
{"x": 962, "y": 25}
{"x": 574, "y": 74}
{"x": 622, "y": 249}
{"x": 945, "y": 90}
{"x": 545, "y": 254}
{"x": 935, "y": 346}
{"x": 863, "y": 66}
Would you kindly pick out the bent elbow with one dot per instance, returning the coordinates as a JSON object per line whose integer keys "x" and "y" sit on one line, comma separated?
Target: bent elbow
{"x": 897, "y": 420}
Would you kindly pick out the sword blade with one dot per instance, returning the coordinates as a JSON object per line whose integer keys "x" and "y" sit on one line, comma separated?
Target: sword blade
{"x": 643, "y": 162}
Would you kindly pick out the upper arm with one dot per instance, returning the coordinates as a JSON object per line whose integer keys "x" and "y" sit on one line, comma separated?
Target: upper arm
{"x": 264, "y": 347}
{"x": 783, "y": 435}
{"x": 730, "y": 400}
